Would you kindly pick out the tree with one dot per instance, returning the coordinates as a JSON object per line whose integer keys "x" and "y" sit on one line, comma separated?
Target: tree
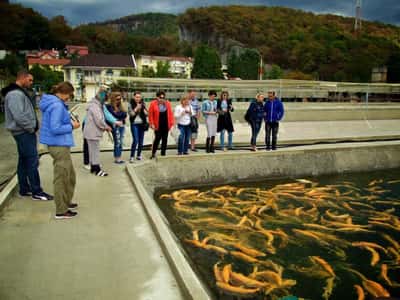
{"x": 46, "y": 78}
{"x": 163, "y": 69}
{"x": 10, "y": 65}
{"x": 274, "y": 73}
{"x": 129, "y": 72}
{"x": 207, "y": 63}
{"x": 148, "y": 72}
{"x": 245, "y": 65}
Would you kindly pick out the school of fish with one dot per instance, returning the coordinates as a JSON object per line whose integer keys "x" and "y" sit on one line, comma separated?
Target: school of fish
{"x": 244, "y": 230}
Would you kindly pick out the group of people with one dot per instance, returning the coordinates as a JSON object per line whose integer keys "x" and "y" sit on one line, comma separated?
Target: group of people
{"x": 107, "y": 112}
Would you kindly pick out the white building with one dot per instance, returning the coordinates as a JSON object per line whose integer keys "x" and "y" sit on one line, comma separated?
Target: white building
{"x": 88, "y": 72}
{"x": 180, "y": 67}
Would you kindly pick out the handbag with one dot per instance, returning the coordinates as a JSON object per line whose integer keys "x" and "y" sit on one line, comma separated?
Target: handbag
{"x": 146, "y": 126}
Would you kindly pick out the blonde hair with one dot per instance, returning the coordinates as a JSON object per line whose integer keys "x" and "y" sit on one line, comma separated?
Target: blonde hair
{"x": 184, "y": 98}
{"x": 113, "y": 101}
{"x": 259, "y": 94}
{"x": 224, "y": 93}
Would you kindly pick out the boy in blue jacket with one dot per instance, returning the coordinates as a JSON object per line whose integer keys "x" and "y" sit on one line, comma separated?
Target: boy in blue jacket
{"x": 274, "y": 111}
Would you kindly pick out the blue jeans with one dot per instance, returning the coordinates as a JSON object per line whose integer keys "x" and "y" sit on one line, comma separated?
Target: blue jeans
{"x": 137, "y": 139}
{"x": 255, "y": 129}
{"x": 222, "y": 138}
{"x": 118, "y": 136}
{"x": 28, "y": 163}
{"x": 184, "y": 138}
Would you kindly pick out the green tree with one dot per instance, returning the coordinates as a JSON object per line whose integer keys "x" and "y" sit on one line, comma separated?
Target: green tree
{"x": 149, "y": 73}
{"x": 10, "y": 65}
{"x": 274, "y": 73}
{"x": 129, "y": 72}
{"x": 46, "y": 78}
{"x": 163, "y": 70}
{"x": 207, "y": 63}
{"x": 245, "y": 66}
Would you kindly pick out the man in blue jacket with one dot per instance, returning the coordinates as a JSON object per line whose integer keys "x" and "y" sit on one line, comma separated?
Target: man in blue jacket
{"x": 273, "y": 109}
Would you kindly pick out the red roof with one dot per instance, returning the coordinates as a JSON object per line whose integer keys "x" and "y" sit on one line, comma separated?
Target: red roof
{"x": 52, "y": 62}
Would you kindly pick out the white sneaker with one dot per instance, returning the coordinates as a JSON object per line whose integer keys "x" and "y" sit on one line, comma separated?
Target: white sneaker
{"x": 131, "y": 160}
{"x": 86, "y": 167}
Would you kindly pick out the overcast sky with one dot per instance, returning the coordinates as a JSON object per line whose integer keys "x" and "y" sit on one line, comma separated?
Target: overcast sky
{"x": 85, "y": 11}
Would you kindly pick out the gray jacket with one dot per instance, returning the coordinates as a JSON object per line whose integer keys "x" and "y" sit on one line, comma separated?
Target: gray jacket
{"x": 20, "y": 115}
{"x": 95, "y": 122}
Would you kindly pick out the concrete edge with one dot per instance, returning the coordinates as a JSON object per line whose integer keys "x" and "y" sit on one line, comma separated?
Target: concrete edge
{"x": 187, "y": 279}
{"x": 6, "y": 193}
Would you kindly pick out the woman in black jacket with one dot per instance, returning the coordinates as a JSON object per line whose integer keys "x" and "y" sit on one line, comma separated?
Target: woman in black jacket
{"x": 138, "y": 119}
{"x": 254, "y": 116}
{"x": 224, "y": 109}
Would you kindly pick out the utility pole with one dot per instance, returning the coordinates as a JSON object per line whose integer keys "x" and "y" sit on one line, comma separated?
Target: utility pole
{"x": 357, "y": 21}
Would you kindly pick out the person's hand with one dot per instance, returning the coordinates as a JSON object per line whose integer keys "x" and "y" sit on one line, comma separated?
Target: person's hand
{"x": 152, "y": 126}
{"x": 119, "y": 123}
{"x": 108, "y": 128}
{"x": 75, "y": 124}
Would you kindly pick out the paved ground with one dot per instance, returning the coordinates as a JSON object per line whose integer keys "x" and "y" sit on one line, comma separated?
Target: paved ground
{"x": 109, "y": 250}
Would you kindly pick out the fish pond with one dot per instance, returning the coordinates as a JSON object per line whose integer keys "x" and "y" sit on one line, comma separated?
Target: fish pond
{"x": 331, "y": 237}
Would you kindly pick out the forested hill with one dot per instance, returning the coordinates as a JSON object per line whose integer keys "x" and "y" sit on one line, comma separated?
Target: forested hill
{"x": 149, "y": 24}
{"x": 323, "y": 45}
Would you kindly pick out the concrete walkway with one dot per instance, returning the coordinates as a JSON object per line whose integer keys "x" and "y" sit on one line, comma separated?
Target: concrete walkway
{"x": 107, "y": 252}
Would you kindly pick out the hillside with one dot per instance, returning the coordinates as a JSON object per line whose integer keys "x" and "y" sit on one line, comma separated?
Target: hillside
{"x": 322, "y": 45}
{"x": 149, "y": 24}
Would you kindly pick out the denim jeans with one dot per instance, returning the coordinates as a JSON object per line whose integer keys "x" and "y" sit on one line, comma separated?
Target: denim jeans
{"x": 118, "y": 136}
{"x": 255, "y": 129}
{"x": 184, "y": 138}
{"x": 222, "y": 138}
{"x": 28, "y": 163}
{"x": 271, "y": 128}
{"x": 137, "y": 139}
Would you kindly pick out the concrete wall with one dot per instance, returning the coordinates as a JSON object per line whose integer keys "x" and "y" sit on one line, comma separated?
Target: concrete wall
{"x": 180, "y": 171}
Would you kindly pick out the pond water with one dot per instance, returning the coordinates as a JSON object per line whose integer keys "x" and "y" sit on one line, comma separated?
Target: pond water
{"x": 331, "y": 237}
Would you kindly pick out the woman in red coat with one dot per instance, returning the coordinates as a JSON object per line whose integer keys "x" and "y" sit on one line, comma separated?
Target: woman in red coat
{"x": 161, "y": 120}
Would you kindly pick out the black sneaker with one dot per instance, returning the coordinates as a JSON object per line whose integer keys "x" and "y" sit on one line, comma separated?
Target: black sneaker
{"x": 42, "y": 196}
{"x": 67, "y": 215}
{"x": 73, "y": 206}
{"x": 25, "y": 194}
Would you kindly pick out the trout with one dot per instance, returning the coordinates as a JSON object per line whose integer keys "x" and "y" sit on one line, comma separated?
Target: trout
{"x": 384, "y": 274}
{"x": 249, "y": 251}
{"x": 323, "y": 264}
{"x": 217, "y": 273}
{"x": 243, "y": 256}
{"x": 226, "y": 273}
{"x": 236, "y": 291}
{"x": 240, "y": 279}
{"x": 360, "y": 292}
